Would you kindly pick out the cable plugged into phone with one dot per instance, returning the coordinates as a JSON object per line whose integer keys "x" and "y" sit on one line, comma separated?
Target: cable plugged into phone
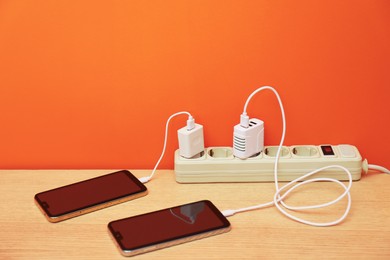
{"x": 191, "y": 141}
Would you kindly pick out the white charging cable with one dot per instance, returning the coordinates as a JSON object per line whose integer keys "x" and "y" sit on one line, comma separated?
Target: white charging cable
{"x": 279, "y": 196}
{"x": 190, "y": 125}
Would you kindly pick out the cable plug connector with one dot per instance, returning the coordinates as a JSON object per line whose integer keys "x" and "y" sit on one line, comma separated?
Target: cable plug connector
{"x": 190, "y": 123}
{"x": 144, "y": 179}
{"x": 244, "y": 120}
{"x": 228, "y": 212}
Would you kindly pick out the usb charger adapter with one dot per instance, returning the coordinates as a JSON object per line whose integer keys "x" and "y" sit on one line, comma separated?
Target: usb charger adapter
{"x": 191, "y": 141}
{"x": 248, "y": 141}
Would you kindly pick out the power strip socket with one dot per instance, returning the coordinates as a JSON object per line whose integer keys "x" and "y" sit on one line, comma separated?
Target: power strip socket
{"x": 217, "y": 164}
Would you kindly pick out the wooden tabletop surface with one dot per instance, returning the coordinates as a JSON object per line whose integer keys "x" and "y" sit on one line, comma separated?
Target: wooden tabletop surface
{"x": 259, "y": 234}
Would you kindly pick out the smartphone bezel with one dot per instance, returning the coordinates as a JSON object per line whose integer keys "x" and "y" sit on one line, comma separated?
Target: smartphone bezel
{"x": 93, "y": 207}
{"x": 173, "y": 241}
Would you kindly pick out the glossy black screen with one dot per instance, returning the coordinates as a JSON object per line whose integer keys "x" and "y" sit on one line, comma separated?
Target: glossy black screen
{"x": 166, "y": 225}
{"x": 89, "y": 193}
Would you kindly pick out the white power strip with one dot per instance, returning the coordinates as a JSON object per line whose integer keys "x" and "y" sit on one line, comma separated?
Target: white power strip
{"x": 217, "y": 164}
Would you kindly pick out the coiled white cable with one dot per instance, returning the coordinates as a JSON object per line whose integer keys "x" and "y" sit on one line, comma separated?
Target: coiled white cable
{"x": 279, "y": 196}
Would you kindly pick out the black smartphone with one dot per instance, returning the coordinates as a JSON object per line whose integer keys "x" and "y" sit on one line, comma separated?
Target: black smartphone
{"x": 167, "y": 227}
{"x": 89, "y": 195}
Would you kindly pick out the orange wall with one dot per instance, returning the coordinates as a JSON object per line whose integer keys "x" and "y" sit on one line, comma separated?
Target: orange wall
{"x": 90, "y": 84}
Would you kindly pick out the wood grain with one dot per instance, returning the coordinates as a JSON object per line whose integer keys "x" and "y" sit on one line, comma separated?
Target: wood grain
{"x": 365, "y": 234}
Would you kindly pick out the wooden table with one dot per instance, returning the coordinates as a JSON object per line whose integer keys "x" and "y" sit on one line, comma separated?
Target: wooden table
{"x": 266, "y": 233}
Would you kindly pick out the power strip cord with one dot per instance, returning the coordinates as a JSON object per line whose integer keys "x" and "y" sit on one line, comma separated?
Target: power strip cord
{"x": 378, "y": 168}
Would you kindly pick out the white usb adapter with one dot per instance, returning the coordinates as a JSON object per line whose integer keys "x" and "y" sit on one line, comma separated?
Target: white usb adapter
{"x": 248, "y": 141}
{"x": 191, "y": 141}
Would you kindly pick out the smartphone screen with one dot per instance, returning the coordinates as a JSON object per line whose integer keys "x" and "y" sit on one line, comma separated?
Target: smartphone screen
{"x": 89, "y": 195}
{"x": 167, "y": 227}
